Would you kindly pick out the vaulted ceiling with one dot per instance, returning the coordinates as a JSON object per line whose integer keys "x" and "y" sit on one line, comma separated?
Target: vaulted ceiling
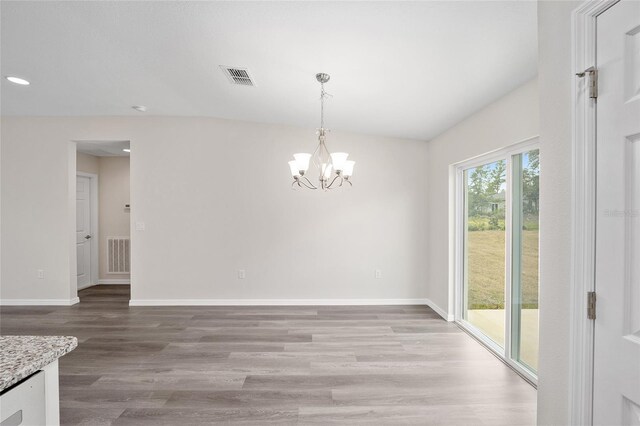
{"x": 404, "y": 69}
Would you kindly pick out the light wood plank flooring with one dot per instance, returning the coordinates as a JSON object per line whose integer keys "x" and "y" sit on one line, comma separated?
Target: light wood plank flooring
{"x": 281, "y": 365}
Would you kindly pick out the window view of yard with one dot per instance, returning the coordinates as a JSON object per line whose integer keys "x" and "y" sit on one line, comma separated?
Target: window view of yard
{"x": 485, "y": 198}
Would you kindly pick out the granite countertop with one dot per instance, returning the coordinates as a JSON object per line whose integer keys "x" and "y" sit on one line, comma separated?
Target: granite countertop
{"x": 21, "y": 356}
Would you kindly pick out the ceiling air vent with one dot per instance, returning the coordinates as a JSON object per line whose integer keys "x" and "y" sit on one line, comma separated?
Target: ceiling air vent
{"x": 238, "y": 75}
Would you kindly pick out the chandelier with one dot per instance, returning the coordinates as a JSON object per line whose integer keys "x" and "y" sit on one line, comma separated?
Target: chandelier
{"x": 333, "y": 169}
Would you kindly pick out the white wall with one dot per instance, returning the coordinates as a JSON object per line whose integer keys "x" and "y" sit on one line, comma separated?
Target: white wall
{"x": 555, "y": 80}
{"x": 215, "y": 197}
{"x": 511, "y": 119}
{"x": 36, "y": 228}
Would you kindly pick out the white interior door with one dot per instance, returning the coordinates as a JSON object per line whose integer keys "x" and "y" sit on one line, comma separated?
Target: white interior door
{"x": 83, "y": 230}
{"x": 617, "y": 324}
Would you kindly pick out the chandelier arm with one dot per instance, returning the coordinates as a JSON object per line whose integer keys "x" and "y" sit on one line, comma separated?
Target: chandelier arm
{"x": 333, "y": 181}
{"x": 310, "y": 185}
{"x": 349, "y": 182}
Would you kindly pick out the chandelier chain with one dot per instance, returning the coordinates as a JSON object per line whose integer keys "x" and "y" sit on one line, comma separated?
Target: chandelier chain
{"x": 322, "y": 105}
{"x": 323, "y": 95}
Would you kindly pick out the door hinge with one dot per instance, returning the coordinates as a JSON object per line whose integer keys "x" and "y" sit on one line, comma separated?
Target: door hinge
{"x": 591, "y": 305}
{"x": 592, "y": 81}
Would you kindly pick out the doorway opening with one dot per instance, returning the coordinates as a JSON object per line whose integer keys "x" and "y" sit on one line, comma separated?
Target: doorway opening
{"x": 103, "y": 213}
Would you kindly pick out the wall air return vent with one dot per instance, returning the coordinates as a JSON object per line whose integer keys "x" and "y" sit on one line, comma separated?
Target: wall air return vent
{"x": 118, "y": 255}
{"x": 238, "y": 76}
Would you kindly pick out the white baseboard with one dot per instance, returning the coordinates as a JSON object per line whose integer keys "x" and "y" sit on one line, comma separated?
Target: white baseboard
{"x": 39, "y": 302}
{"x": 238, "y": 302}
{"x": 439, "y": 310}
{"x": 115, "y": 281}
{"x": 274, "y": 302}
{"x": 86, "y": 286}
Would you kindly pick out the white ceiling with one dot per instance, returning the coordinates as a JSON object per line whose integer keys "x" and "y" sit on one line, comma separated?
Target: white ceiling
{"x": 103, "y": 148}
{"x": 405, "y": 69}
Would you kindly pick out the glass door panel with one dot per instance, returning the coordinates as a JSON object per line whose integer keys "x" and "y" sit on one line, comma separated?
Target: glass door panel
{"x": 525, "y": 282}
{"x": 484, "y": 249}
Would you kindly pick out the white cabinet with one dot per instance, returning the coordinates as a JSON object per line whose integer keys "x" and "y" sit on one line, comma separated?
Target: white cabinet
{"x": 24, "y": 404}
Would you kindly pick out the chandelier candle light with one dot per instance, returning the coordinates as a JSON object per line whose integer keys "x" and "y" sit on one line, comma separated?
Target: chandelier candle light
{"x": 333, "y": 168}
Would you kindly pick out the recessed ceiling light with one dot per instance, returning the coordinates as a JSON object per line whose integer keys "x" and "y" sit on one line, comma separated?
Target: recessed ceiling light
{"x": 140, "y": 108}
{"x": 17, "y": 80}
{"x": 126, "y": 149}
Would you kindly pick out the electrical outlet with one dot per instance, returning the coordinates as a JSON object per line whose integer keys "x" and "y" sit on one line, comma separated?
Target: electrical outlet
{"x": 140, "y": 226}
{"x": 241, "y": 274}
{"x": 378, "y": 274}
{"x": 40, "y": 274}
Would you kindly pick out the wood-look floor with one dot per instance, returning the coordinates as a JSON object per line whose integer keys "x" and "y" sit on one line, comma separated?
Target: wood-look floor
{"x": 281, "y": 365}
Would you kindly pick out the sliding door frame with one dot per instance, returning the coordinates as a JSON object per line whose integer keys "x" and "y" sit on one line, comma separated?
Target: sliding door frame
{"x": 460, "y": 231}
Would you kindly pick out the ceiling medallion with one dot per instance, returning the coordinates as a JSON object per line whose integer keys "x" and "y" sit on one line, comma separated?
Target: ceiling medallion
{"x": 333, "y": 169}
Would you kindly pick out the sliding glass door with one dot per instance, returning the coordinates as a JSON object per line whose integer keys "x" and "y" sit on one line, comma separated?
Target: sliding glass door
{"x": 497, "y": 253}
